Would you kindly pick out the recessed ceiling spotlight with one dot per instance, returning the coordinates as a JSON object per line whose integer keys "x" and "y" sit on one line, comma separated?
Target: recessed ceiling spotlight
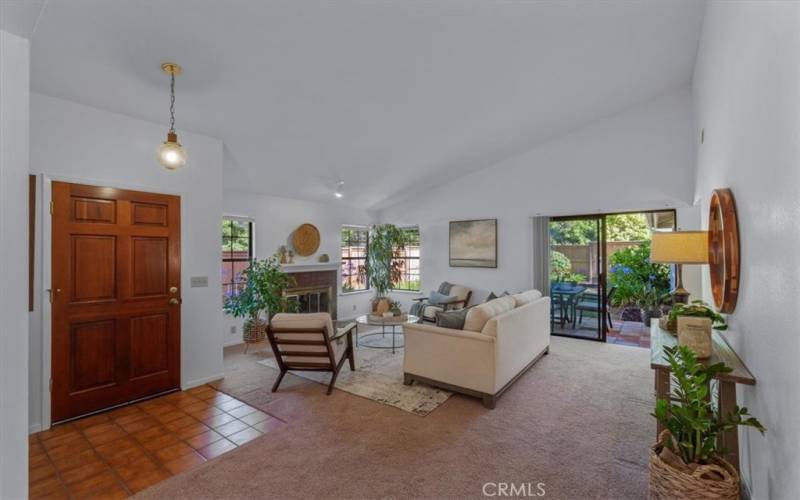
{"x": 339, "y": 193}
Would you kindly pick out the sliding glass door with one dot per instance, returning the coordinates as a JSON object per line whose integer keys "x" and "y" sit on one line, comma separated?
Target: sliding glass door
{"x": 577, "y": 277}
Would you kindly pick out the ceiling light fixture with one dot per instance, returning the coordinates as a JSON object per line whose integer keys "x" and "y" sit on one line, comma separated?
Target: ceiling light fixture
{"x": 339, "y": 187}
{"x": 171, "y": 154}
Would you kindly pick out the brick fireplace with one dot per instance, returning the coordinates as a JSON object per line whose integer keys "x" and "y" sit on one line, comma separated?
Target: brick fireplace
{"x": 316, "y": 287}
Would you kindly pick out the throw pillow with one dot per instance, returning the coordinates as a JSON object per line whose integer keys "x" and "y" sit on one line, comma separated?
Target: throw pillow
{"x": 491, "y": 296}
{"x": 453, "y": 320}
{"x": 436, "y": 298}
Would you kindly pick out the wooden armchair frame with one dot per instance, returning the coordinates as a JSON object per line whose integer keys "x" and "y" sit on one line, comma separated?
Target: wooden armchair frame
{"x": 446, "y": 305}
{"x": 327, "y": 361}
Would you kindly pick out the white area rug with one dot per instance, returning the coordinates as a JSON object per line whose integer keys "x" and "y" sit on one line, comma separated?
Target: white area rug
{"x": 379, "y": 377}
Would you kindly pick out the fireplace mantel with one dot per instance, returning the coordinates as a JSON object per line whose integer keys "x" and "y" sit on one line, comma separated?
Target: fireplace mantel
{"x": 310, "y": 267}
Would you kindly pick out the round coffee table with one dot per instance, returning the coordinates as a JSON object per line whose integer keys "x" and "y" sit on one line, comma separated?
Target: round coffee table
{"x": 385, "y": 322}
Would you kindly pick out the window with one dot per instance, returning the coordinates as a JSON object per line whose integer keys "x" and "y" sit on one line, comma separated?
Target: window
{"x": 406, "y": 262}
{"x": 237, "y": 252}
{"x": 354, "y": 255}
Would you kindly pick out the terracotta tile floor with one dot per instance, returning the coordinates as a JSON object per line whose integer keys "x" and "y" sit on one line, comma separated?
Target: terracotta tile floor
{"x": 120, "y": 452}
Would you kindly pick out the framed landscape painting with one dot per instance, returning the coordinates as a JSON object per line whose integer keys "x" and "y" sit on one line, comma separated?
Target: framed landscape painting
{"x": 473, "y": 243}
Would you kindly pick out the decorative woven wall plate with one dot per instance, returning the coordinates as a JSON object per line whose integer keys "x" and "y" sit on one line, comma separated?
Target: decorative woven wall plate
{"x": 305, "y": 240}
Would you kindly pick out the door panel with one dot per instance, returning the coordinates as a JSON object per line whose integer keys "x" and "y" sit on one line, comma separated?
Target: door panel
{"x": 93, "y": 355}
{"x": 149, "y": 345}
{"x": 93, "y": 268}
{"x": 91, "y": 210}
{"x": 116, "y": 260}
{"x": 150, "y": 264}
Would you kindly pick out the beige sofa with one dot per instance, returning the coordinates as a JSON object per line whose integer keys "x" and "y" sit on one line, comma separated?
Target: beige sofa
{"x": 501, "y": 339}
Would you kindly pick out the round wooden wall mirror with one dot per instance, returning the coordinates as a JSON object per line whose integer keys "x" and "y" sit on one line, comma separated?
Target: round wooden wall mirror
{"x": 305, "y": 240}
{"x": 723, "y": 250}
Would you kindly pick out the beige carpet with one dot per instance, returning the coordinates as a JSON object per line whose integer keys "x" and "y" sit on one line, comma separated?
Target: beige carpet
{"x": 577, "y": 421}
{"x": 379, "y": 377}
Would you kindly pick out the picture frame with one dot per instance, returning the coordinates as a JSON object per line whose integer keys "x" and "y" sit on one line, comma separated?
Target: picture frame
{"x": 473, "y": 243}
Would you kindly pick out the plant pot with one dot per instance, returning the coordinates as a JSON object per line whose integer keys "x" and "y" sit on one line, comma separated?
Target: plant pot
{"x": 648, "y": 315}
{"x": 671, "y": 479}
{"x": 695, "y": 333}
{"x": 631, "y": 313}
{"x": 667, "y": 325}
{"x": 254, "y": 331}
{"x": 381, "y": 306}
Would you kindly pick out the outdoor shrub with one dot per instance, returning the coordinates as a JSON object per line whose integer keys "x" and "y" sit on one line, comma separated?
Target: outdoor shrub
{"x": 631, "y": 270}
{"x": 560, "y": 266}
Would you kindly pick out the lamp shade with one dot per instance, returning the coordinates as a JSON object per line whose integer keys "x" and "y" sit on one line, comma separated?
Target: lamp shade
{"x": 679, "y": 247}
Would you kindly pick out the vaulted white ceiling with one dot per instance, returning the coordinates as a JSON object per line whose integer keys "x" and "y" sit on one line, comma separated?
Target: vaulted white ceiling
{"x": 389, "y": 96}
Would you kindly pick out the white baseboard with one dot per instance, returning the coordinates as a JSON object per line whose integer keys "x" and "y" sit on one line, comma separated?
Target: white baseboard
{"x": 197, "y": 382}
{"x": 233, "y": 341}
{"x": 34, "y": 428}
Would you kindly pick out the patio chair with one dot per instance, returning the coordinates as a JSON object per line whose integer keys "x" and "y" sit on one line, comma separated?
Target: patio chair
{"x": 308, "y": 342}
{"x": 591, "y": 303}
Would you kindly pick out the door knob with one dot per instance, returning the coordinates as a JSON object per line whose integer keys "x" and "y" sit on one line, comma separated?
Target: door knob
{"x": 173, "y": 289}
{"x": 174, "y": 302}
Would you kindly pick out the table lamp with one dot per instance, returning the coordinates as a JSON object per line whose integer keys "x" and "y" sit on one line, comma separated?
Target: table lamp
{"x": 679, "y": 248}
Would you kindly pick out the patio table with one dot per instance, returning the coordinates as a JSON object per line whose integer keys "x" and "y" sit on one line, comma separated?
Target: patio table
{"x": 568, "y": 295}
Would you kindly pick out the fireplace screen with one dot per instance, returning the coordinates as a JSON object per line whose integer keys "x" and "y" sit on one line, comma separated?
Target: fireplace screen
{"x": 310, "y": 299}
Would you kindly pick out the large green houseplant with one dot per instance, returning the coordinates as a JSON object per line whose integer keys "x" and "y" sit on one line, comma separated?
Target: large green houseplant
{"x": 687, "y": 461}
{"x": 262, "y": 292}
{"x": 386, "y": 241}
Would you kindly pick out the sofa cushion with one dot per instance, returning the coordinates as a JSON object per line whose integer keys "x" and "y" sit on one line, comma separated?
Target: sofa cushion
{"x": 479, "y": 315}
{"x": 452, "y": 319}
{"x": 526, "y": 297}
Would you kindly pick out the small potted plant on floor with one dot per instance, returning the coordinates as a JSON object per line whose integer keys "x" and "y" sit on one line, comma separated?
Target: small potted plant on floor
{"x": 386, "y": 242}
{"x": 687, "y": 461}
{"x": 262, "y": 292}
{"x": 649, "y": 302}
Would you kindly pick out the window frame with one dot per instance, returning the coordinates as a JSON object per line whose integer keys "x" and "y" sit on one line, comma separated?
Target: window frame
{"x": 407, "y": 258}
{"x": 343, "y": 259}
{"x": 231, "y": 286}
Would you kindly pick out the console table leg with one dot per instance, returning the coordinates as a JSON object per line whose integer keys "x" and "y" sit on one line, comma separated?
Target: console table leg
{"x": 662, "y": 392}
{"x": 729, "y": 440}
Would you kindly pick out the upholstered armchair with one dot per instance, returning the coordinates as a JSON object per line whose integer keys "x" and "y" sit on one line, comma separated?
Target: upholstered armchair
{"x": 459, "y": 297}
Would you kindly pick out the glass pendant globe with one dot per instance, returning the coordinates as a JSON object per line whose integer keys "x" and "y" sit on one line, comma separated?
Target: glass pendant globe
{"x": 171, "y": 155}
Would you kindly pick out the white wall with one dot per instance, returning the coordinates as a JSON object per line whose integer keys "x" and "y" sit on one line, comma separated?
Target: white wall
{"x": 747, "y": 98}
{"x": 275, "y": 220}
{"x": 14, "y": 115}
{"x": 641, "y": 158}
{"x": 83, "y": 144}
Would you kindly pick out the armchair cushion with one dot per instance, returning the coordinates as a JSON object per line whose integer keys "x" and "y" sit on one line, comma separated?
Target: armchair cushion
{"x": 429, "y": 312}
{"x": 436, "y": 298}
{"x": 460, "y": 293}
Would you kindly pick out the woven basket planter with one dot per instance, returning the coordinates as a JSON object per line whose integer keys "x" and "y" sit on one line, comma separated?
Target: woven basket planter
{"x": 718, "y": 480}
{"x": 254, "y": 331}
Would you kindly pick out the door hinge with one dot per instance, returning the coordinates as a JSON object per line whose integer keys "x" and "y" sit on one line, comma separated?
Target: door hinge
{"x": 52, "y": 208}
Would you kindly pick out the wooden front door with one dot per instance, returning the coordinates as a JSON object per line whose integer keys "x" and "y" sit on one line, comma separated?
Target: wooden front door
{"x": 116, "y": 297}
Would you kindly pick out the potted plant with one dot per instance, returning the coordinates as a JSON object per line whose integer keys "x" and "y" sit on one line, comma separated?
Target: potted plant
{"x": 386, "y": 241}
{"x": 649, "y": 302}
{"x": 630, "y": 270}
{"x": 697, "y": 309}
{"x": 262, "y": 292}
{"x": 687, "y": 460}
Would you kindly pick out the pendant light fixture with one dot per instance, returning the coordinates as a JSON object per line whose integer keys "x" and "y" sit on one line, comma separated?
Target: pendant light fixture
{"x": 171, "y": 154}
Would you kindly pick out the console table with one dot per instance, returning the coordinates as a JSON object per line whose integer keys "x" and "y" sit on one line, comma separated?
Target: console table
{"x": 726, "y": 382}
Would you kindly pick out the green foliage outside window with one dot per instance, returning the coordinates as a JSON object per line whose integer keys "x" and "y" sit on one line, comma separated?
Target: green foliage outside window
{"x": 631, "y": 272}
